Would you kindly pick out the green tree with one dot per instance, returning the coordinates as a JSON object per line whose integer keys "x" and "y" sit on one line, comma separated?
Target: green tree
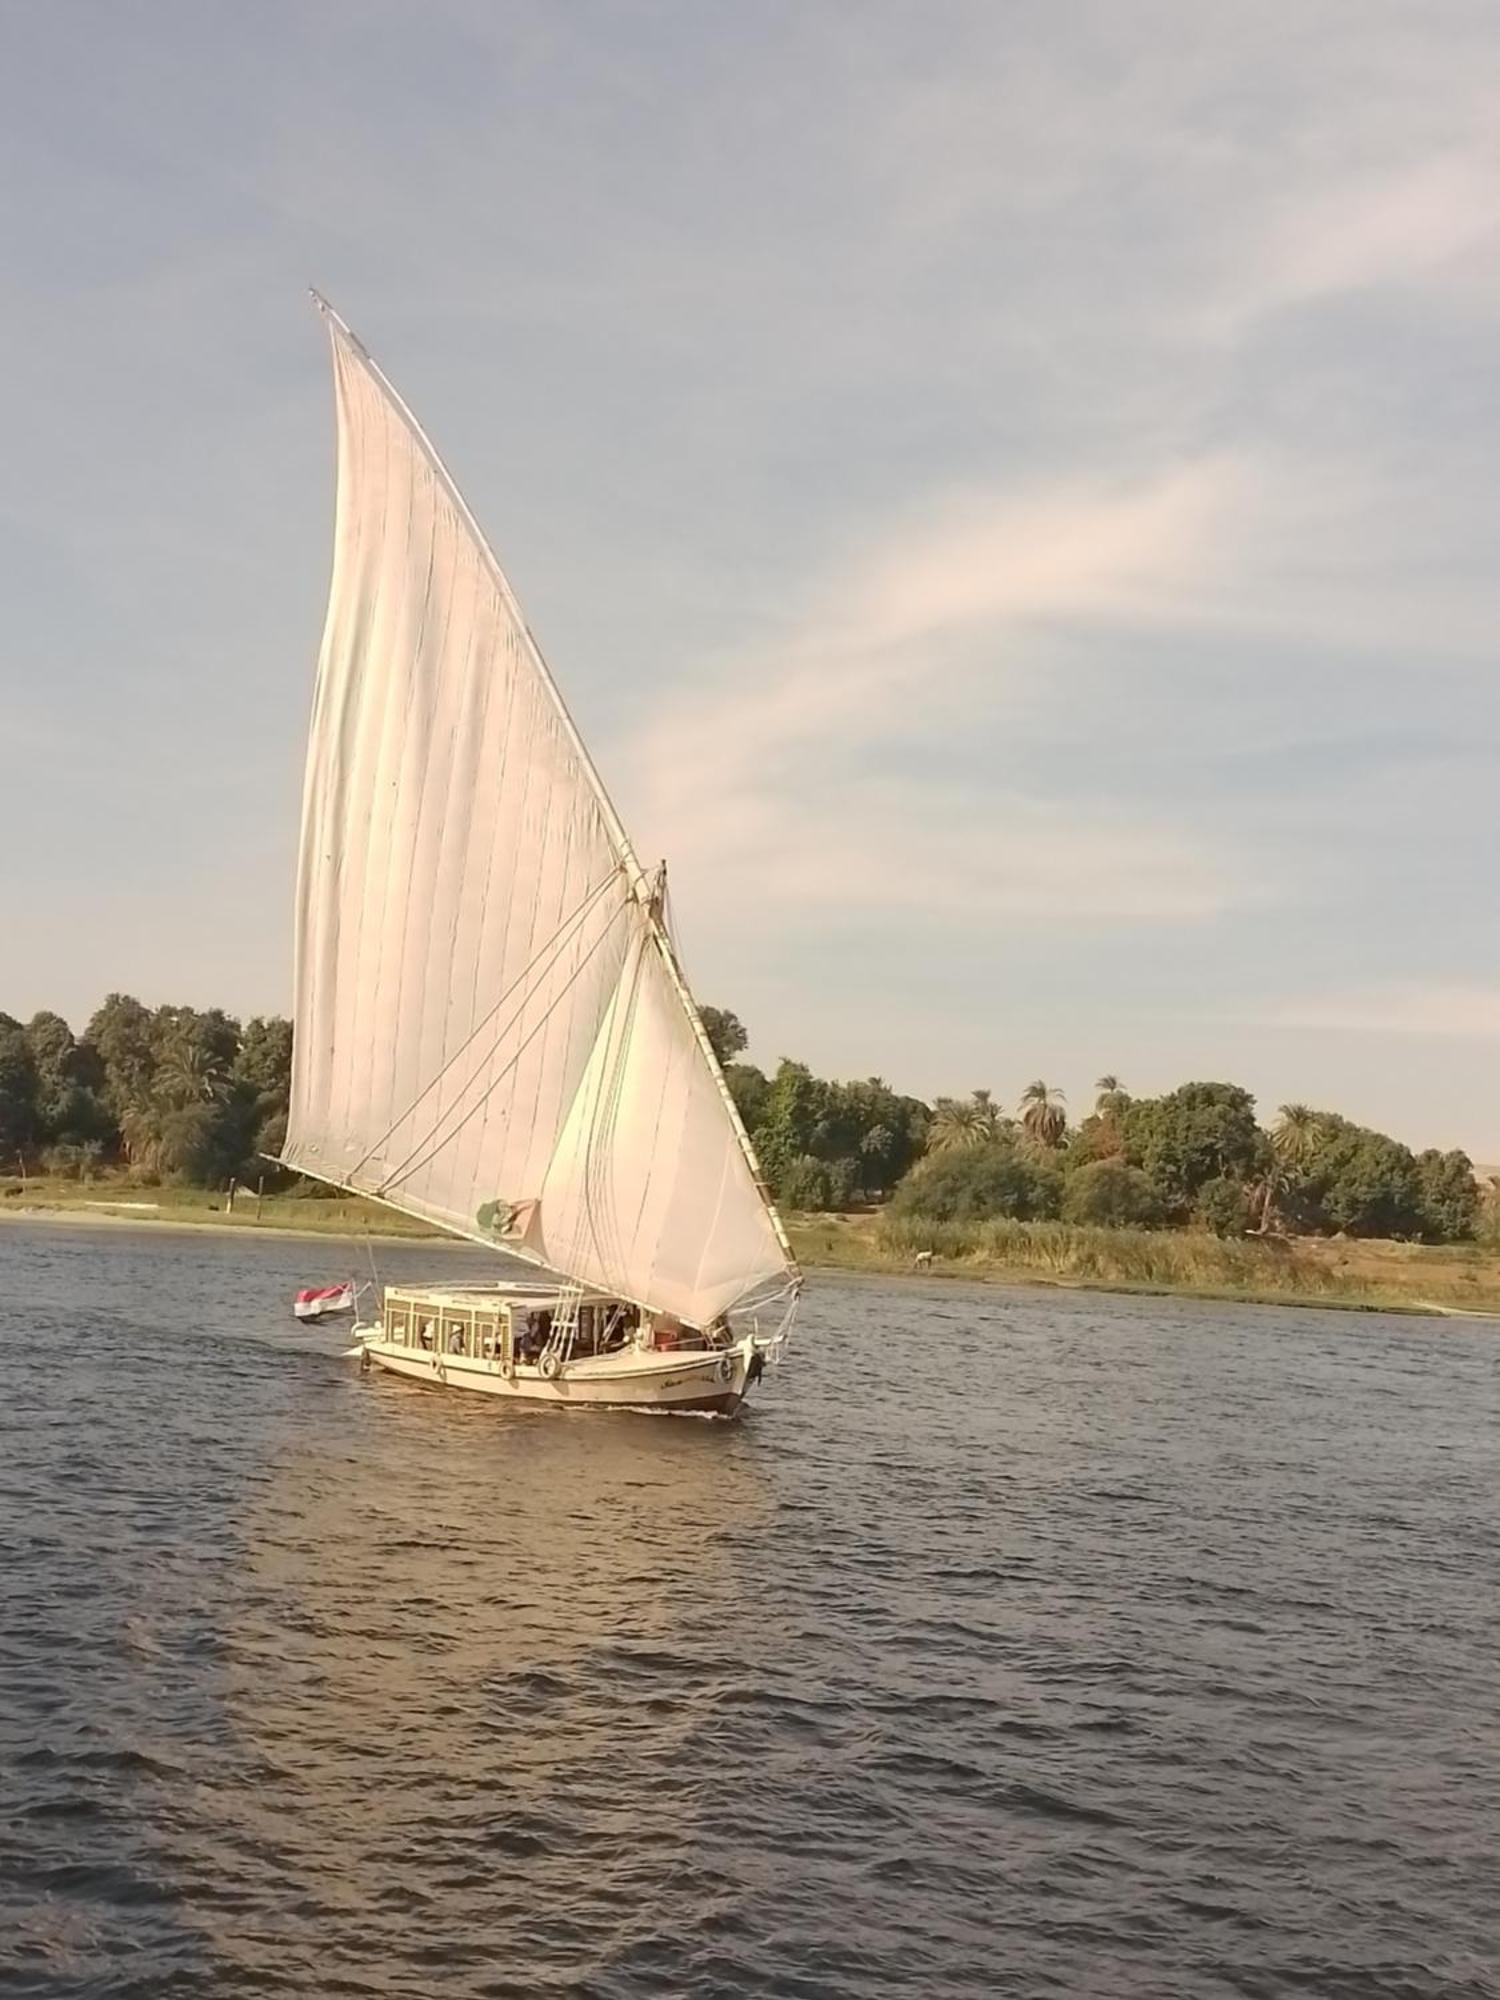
{"x": 54, "y": 1055}
{"x": 870, "y": 1135}
{"x": 195, "y": 1054}
{"x": 1267, "y": 1194}
{"x": 199, "y": 1143}
{"x": 1360, "y": 1183}
{"x": 1109, "y": 1193}
{"x": 976, "y": 1184}
{"x": 1043, "y": 1119}
{"x": 1448, "y": 1196}
{"x": 1196, "y": 1133}
{"x": 788, "y": 1128}
{"x": 18, "y": 1092}
{"x": 1296, "y": 1135}
{"x": 751, "y": 1089}
{"x": 804, "y": 1185}
{"x": 1113, "y": 1099}
{"x": 70, "y": 1110}
{"x": 962, "y": 1122}
{"x": 724, "y": 1032}
{"x": 261, "y": 1087}
{"x": 188, "y": 1073}
{"x": 1223, "y": 1207}
{"x": 121, "y": 1036}
{"x": 264, "y": 1057}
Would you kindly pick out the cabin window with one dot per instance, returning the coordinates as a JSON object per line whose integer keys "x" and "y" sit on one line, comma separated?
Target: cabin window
{"x": 456, "y": 1337}
{"x": 398, "y": 1328}
{"x": 489, "y": 1340}
{"x": 426, "y": 1334}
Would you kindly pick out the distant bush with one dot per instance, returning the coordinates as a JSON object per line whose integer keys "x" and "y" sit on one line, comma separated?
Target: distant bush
{"x": 1110, "y": 1193}
{"x": 978, "y": 1183}
{"x": 76, "y": 1162}
{"x": 805, "y": 1183}
{"x": 1222, "y": 1208}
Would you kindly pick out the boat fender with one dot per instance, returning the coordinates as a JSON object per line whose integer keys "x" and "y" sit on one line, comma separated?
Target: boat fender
{"x": 726, "y": 1368}
{"x": 550, "y": 1363}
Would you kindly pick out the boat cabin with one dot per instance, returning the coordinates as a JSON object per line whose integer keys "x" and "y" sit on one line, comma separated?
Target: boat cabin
{"x": 510, "y": 1324}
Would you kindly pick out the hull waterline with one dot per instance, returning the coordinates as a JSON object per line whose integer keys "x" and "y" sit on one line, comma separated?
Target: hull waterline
{"x": 710, "y": 1383}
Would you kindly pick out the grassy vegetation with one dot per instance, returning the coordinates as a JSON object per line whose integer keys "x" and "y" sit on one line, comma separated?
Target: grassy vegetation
{"x": 1303, "y": 1270}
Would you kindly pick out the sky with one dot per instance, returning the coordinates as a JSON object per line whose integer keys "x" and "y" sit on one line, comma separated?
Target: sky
{"x": 1008, "y": 492}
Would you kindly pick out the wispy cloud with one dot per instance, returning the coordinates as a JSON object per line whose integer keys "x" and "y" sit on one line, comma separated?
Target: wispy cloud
{"x": 1439, "y": 1010}
{"x": 1387, "y": 228}
{"x": 923, "y": 634}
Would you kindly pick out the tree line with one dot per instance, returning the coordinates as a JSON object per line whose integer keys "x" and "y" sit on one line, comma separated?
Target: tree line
{"x": 1193, "y": 1157}
{"x": 175, "y": 1093}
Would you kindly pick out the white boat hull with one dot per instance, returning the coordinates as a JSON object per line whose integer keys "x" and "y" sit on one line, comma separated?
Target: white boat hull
{"x": 710, "y": 1382}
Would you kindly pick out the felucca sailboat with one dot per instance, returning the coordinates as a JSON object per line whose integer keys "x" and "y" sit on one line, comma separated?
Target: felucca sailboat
{"x": 493, "y": 1031}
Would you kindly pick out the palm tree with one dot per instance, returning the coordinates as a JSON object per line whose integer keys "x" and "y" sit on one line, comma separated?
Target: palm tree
{"x": 140, "y": 1128}
{"x": 1042, "y": 1115}
{"x": 1296, "y": 1134}
{"x": 959, "y": 1123}
{"x": 1268, "y": 1190}
{"x": 1113, "y": 1097}
{"x": 188, "y": 1073}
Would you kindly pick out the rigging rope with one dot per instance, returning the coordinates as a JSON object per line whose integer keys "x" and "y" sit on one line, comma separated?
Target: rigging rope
{"x": 572, "y": 923}
{"x": 433, "y": 1144}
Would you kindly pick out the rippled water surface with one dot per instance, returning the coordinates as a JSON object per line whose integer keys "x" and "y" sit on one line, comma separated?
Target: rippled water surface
{"x": 1017, "y": 1642}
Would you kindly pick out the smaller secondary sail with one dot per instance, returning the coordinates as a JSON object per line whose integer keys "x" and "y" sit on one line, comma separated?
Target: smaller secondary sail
{"x": 328, "y": 1303}
{"x": 492, "y": 1030}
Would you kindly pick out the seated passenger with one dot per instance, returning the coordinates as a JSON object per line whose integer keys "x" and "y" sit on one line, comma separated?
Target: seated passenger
{"x": 534, "y": 1336}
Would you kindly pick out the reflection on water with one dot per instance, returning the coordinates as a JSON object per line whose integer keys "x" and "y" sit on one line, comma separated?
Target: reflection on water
{"x": 534, "y": 1609}
{"x": 1014, "y": 1643}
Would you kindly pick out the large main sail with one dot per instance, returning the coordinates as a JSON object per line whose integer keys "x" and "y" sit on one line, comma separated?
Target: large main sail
{"x": 492, "y": 1032}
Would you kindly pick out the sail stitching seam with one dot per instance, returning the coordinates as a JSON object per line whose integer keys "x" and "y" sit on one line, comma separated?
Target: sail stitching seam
{"x": 569, "y": 924}
{"x": 407, "y": 1167}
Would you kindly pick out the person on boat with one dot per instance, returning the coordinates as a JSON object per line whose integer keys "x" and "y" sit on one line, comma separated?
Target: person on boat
{"x": 536, "y": 1335}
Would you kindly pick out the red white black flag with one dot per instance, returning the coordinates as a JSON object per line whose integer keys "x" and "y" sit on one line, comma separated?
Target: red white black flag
{"x": 324, "y": 1304}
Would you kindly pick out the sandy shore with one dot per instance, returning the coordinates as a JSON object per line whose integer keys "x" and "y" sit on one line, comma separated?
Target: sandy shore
{"x": 112, "y": 1215}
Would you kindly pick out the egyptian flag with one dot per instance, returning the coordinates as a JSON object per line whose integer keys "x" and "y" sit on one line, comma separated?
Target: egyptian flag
{"x": 325, "y": 1303}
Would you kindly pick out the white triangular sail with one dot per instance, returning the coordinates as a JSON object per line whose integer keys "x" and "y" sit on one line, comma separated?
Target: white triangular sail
{"x": 491, "y": 1029}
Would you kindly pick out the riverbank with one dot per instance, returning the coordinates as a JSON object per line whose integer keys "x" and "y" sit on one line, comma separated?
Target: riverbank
{"x": 1371, "y": 1276}
{"x": 1359, "y": 1275}
{"x": 116, "y": 1203}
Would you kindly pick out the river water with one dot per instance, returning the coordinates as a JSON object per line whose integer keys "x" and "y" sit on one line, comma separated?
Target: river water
{"x": 1016, "y": 1642}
